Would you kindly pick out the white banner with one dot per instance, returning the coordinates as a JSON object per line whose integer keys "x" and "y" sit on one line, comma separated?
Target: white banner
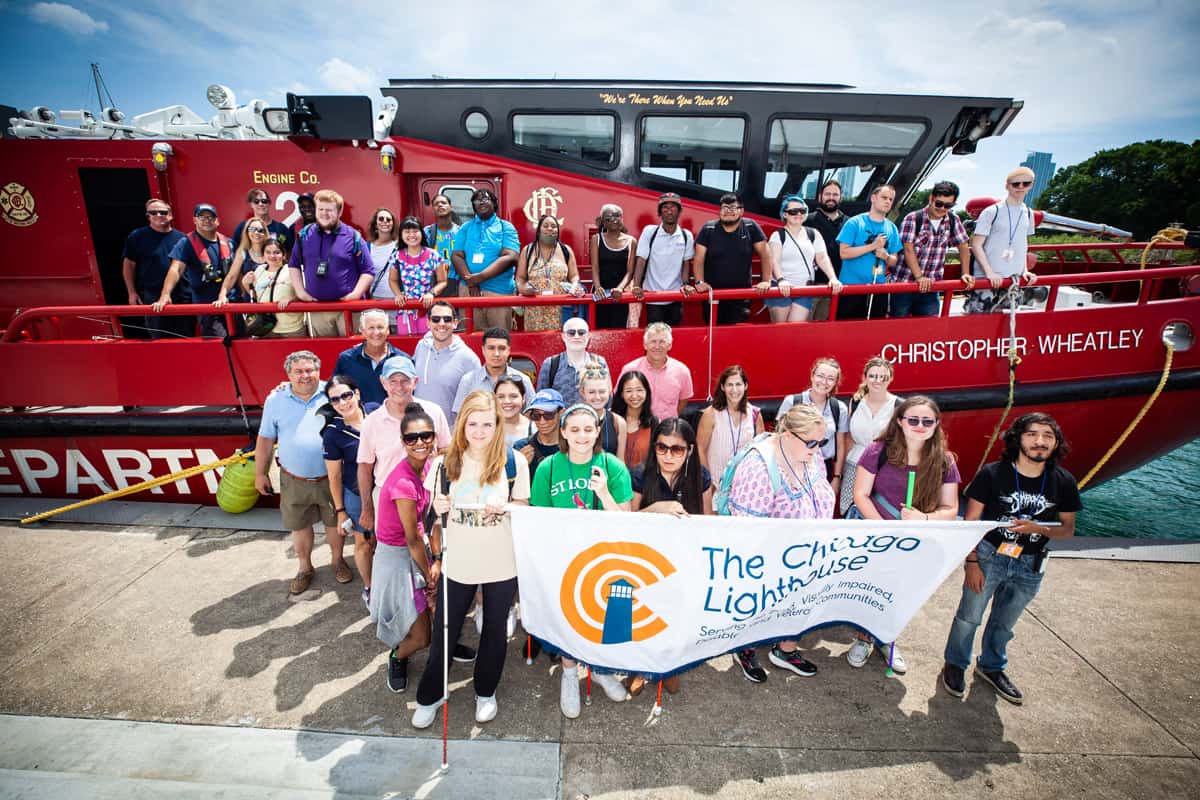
{"x": 653, "y": 593}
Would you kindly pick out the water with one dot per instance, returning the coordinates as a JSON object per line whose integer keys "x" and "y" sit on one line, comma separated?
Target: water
{"x": 1157, "y": 501}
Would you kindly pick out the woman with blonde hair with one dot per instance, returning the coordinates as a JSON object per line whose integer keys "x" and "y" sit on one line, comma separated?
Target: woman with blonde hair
{"x": 470, "y": 489}
{"x": 595, "y": 389}
{"x": 871, "y": 409}
{"x": 824, "y": 379}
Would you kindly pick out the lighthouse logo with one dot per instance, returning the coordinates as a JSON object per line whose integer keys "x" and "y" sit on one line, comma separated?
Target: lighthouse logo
{"x": 599, "y": 592}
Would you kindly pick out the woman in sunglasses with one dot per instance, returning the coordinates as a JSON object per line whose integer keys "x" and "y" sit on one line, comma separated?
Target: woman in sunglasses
{"x": 595, "y": 389}
{"x": 415, "y": 272}
{"x": 797, "y": 253}
{"x": 384, "y": 237}
{"x": 510, "y": 396}
{"x": 582, "y": 475}
{"x": 789, "y": 459}
{"x": 632, "y": 402}
{"x": 340, "y": 439}
{"x": 403, "y": 584}
{"x": 247, "y": 260}
{"x": 913, "y": 444}
{"x": 871, "y": 410}
{"x": 824, "y": 379}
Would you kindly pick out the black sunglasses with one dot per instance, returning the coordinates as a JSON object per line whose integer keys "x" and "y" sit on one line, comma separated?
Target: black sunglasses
{"x": 811, "y": 444}
{"x": 261, "y": 201}
{"x": 440, "y": 318}
{"x": 924, "y": 422}
{"x": 674, "y": 449}
{"x": 1020, "y": 184}
{"x": 940, "y": 204}
{"x": 422, "y": 436}
{"x": 539, "y": 416}
{"x": 338, "y": 398}
{"x": 158, "y": 213}
{"x": 791, "y": 212}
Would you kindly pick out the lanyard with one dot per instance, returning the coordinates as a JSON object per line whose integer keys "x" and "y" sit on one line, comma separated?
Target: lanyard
{"x": 1017, "y": 483}
{"x": 736, "y": 438}
{"x": 1012, "y": 228}
{"x": 571, "y": 477}
{"x": 806, "y": 486}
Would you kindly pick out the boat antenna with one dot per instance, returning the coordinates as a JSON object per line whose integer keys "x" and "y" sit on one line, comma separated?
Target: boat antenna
{"x": 101, "y": 88}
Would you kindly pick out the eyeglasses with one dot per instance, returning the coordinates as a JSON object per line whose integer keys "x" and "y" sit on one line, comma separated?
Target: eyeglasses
{"x": 811, "y": 444}
{"x": 441, "y": 318}
{"x": 422, "y": 436}
{"x": 791, "y": 212}
{"x": 940, "y": 204}
{"x": 158, "y": 213}
{"x": 923, "y": 422}
{"x": 540, "y": 416}
{"x": 261, "y": 201}
{"x": 662, "y": 448}
{"x": 826, "y": 378}
{"x": 341, "y": 398}
{"x": 207, "y": 216}
{"x": 1020, "y": 184}
{"x": 575, "y": 332}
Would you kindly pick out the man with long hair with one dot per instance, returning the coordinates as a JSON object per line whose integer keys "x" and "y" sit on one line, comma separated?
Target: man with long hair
{"x": 1025, "y": 489}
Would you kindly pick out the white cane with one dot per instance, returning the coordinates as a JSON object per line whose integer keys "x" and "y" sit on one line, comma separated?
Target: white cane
{"x": 444, "y": 487}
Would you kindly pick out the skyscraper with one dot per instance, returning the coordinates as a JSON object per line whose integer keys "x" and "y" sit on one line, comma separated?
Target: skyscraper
{"x": 1043, "y": 168}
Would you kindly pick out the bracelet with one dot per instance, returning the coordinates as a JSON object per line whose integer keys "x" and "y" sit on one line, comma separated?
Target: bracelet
{"x": 339, "y": 511}
{"x": 838, "y": 475}
{"x": 972, "y": 561}
{"x": 436, "y": 557}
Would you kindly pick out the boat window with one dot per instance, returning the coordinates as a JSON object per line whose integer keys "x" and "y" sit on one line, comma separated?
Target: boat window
{"x": 894, "y": 139}
{"x": 794, "y": 157}
{"x": 706, "y": 151}
{"x": 857, "y": 175}
{"x": 590, "y": 138}
{"x": 477, "y": 125}
{"x": 460, "y": 200}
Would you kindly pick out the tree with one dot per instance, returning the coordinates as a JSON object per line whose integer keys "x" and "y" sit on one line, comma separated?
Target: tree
{"x": 919, "y": 199}
{"x": 1141, "y": 187}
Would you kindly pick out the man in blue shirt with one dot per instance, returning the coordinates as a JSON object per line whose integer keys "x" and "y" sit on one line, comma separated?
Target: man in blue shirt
{"x": 364, "y": 362}
{"x": 260, "y": 209}
{"x": 291, "y": 417}
{"x": 205, "y": 256}
{"x": 330, "y": 262}
{"x": 485, "y": 258}
{"x": 869, "y": 244}
{"x": 144, "y": 266}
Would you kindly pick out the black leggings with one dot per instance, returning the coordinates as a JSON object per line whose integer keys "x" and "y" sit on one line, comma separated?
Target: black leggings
{"x": 489, "y": 663}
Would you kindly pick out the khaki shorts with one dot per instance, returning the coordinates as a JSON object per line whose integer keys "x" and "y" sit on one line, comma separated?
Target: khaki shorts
{"x": 484, "y": 318}
{"x": 326, "y": 323}
{"x": 301, "y": 503}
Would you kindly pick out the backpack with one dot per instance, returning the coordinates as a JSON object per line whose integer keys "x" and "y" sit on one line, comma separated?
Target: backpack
{"x": 658, "y": 228}
{"x": 555, "y": 361}
{"x": 835, "y": 406}
{"x": 995, "y": 207}
{"x": 762, "y": 445}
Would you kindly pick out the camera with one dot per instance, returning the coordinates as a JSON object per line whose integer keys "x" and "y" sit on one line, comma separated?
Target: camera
{"x": 322, "y": 269}
{"x": 214, "y": 273}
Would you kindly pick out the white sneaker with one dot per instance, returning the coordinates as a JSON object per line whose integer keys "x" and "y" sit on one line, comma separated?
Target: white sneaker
{"x": 511, "y": 625}
{"x": 893, "y": 650}
{"x": 568, "y": 697}
{"x": 479, "y": 619}
{"x": 424, "y": 716}
{"x": 860, "y": 651}
{"x": 612, "y": 687}
{"x": 485, "y": 708}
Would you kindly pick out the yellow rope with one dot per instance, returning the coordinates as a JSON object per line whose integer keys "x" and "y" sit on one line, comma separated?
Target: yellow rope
{"x": 1162, "y": 382}
{"x": 1013, "y": 360}
{"x": 238, "y": 457}
{"x": 1165, "y": 235}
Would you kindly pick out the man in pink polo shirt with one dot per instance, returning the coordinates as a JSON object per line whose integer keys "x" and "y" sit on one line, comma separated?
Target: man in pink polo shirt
{"x": 670, "y": 380}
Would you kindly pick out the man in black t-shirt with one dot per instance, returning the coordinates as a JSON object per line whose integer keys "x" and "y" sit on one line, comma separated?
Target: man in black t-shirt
{"x": 1025, "y": 489}
{"x": 144, "y": 265}
{"x": 827, "y": 221}
{"x": 724, "y": 250}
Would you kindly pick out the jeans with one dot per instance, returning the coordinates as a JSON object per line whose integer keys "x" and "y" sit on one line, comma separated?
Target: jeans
{"x": 489, "y": 663}
{"x": 917, "y": 304}
{"x": 167, "y": 327}
{"x": 1010, "y": 584}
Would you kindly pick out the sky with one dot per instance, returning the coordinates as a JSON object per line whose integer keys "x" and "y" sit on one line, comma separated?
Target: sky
{"x": 1093, "y": 75}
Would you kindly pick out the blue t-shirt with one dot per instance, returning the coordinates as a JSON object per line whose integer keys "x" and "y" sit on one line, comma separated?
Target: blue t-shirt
{"x": 151, "y": 251}
{"x": 201, "y": 291}
{"x": 341, "y": 444}
{"x": 481, "y": 243}
{"x": 282, "y": 233}
{"x": 857, "y": 231}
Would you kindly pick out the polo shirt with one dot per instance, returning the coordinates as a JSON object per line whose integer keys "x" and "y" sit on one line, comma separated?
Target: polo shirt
{"x": 439, "y": 371}
{"x": 347, "y": 254}
{"x": 857, "y": 231}
{"x": 668, "y": 385}
{"x": 379, "y": 441}
{"x": 356, "y": 364}
{"x": 664, "y": 253}
{"x": 296, "y": 425}
{"x": 480, "y": 243}
{"x": 479, "y": 380}
{"x": 150, "y": 251}
{"x": 829, "y": 230}
{"x": 727, "y": 262}
{"x": 282, "y": 233}
{"x": 566, "y": 379}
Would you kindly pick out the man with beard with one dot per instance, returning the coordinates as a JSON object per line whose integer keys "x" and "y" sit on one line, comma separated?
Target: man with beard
{"x": 442, "y": 358}
{"x": 725, "y": 248}
{"x": 664, "y": 259}
{"x": 828, "y": 222}
{"x": 1025, "y": 490}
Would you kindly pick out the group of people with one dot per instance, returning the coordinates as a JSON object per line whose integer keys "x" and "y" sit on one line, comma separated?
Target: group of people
{"x": 320, "y": 258}
{"x": 405, "y": 454}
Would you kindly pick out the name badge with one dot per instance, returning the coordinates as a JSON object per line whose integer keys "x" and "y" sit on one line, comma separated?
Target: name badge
{"x": 1010, "y": 549}
{"x": 477, "y": 258}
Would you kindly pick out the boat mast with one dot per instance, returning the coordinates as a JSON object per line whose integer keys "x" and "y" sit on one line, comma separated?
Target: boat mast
{"x": 98, "y": 79}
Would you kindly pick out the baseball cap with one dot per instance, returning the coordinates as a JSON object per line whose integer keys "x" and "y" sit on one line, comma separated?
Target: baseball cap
{"x": 202, "y": 207}
{"x": 669, "y": 197}
{"x": 306, "y": 196}
{"x": 399, "y": 363}
{"x": 546, "y": 400}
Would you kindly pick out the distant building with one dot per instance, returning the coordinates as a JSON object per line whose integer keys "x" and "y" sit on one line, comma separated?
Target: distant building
{"x": 1043, "y": 168}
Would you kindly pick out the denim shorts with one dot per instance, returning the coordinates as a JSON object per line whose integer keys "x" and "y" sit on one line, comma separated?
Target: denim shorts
{"x": 785, "y": 302}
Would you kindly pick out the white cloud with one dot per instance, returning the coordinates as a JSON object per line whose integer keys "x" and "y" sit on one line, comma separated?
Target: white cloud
{"x": 67, "y": 18}
{"x": 342, "y": 76}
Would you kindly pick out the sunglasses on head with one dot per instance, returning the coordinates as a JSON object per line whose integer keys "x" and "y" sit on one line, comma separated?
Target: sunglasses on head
{"x": 157, "y": 213}
{"x": 923, "y": 422}
{"x": 941, "y": 204}
{"x": 341, "y": 398}
{"x": 662, "y": 448}
{"x": 1020, "y": 184}
{"x": 540, "y": 416}
{"x": 421, "y": 436}
{"x": 811, "y": 444}
{"x": 575, "y": 332}
{"x": 441, "y": 318}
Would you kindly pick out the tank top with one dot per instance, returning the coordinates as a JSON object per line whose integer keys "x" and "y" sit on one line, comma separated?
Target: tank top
{"x": 728, "y": 438}
{"x": 612, "y": 263}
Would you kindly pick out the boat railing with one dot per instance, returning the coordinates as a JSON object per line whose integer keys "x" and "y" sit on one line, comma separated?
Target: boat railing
{"x": 1153, "y": 284}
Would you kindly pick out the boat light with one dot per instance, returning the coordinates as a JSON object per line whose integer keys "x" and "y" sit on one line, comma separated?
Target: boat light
{"x": 221, "y": 97}
{"x": 159, "y": 154}
{"x": 387, "y": 158}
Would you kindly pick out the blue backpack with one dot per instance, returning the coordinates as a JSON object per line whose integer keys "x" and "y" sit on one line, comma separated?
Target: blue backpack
{"x": 762, "y": 445}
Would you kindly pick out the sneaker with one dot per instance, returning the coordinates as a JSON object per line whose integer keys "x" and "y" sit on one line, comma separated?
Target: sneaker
{"x": 860, "y": 651}
{"x": 892, "y": 651}
{"x": 397, "y": 679}
{"x": 424, "y": 716}
{"x": 479, "y": 619}
{"x": 792, "y": 661}
{"x": 510, "y": 625}
{"x": 748, "y": 661}
{"x": 463, "y": 654}
{"x": 366, "y": 596}
{"x": 568, "y": 697}
{"x": 611, "y": 686}
{"x": 485, "y": 708}
{"x": 953, "y": 680}
{"x": 1003, "y": 686}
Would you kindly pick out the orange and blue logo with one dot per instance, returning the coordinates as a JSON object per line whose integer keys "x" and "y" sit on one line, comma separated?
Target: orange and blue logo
{"x": 599, "y": 587}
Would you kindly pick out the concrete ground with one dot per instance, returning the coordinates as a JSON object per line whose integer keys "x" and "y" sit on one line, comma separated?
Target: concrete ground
{"x": 157, "y": 661}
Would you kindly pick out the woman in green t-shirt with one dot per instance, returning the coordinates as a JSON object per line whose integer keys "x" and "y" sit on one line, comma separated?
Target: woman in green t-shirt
{"x": 581, "y": 475}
